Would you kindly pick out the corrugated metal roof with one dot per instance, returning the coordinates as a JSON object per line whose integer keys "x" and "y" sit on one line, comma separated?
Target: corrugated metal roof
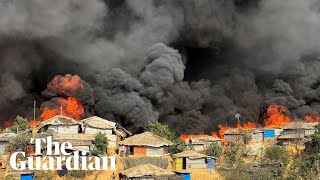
{"x": 300, "y": 125}
{"x": 146, "y": 139}
{"x": 58, "y": 120}
{"x": 7, "y": 136}
{"x": 146, "y": 170}
{"x": 292, "y": 136}
{"x": 98, "y": 122}
{"x": 190, "y": 154}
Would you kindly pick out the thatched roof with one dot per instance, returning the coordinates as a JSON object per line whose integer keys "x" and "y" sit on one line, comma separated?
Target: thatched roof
{"x": 75, "y": 139}
{"x": 98, "y": 122}
{"x": 146, "y": 139}
{"x": 58, "y": 120}
{"x": 193, "y": 154}
{"x": 300, "y": 125}
{"x": 7, "y": 136}
{"x": 146, "y": 170}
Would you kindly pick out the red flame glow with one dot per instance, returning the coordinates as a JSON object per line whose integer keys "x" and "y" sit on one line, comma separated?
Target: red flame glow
{"x": 71, "y": 107}
{"x": 276, "y": 116}
{"x": 313, "y": 117}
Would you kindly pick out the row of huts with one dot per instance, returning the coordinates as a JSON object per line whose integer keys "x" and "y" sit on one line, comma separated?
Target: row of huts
{"x": 146, "y": 154}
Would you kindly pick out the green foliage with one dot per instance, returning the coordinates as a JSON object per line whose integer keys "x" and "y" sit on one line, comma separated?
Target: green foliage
{"x": 214, "y": 150}
{"x": 164, "y": 131}
{"x": 101, "y": 143}
{"x": 43, "y": 175}
{"x": 245, "y": 136}
{"x": 276, "y": 154}
{"x": 19, "y": 124}
{"x": 234, "y": 154}
{"x": 21, "y": 141}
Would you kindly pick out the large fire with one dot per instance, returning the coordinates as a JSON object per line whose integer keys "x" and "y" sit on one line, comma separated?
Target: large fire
{"x": 276, "y": 116}
{"x": 65, "y": 84}
{"x": 313, "y": 117}
{"x": 69, "y": 107}
{"x": 65, "y": 105}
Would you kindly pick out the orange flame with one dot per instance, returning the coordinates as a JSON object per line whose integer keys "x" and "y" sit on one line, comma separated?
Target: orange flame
{"x": 71, "y": 107}
{"x": 66, "y": 83}
{"x": 313, "y": 117}
{"x": 276, "y": 116}
{"x": 187, "y": 136}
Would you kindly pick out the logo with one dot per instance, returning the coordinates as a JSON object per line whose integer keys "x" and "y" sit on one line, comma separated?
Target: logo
{"x": 59, "y": 158}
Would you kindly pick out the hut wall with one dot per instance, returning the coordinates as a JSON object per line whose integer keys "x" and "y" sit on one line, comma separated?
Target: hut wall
{"x": 82, "y": 147}
{"x": 198, "y": 163}
{"x": 278, "y": 131}
{"x": 64, "y": 129}
{"x": 257, "y": 136}
{"x": 198, "y": 147}
{"x": 229, "y": 137}
{"x": 3, "y": 145}
{"x": 139, "y": 151}
{"x": 112, "y": 141}
{"x": 154, "y": 151}
{"x": 91, "y": 130}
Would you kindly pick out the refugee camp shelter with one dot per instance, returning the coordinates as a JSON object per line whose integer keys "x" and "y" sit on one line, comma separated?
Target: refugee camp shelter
{"x": 147, "y": 144}
{"x": 201, "y": 142}
{"x": 297, "y": 133}
{"x": 78, "y": 141}
{"x": 4, "y": 140}
{"x": 148, "y": 172}
{"x": 231, "y": 135}
{"x": 256, "y": 135}
{"x": 94, "y": 124}
{"x": 190, "y": 160}
{"x": 60, "y": 124}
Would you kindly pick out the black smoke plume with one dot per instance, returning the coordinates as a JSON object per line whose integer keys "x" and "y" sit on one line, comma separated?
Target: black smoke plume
{"x": 190, "y": 64}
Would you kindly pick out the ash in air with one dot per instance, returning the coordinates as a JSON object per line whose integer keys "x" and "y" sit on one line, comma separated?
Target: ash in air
{"x": 190, "y": 64}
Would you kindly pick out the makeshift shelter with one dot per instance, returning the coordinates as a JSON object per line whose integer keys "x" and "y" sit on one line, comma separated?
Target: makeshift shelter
{"x": 148, "y": 171}
{"x": 146, "y": 144}
{"x": 60, "y": 124}
{"x": 94, "y": 124}
{"x": 190, "y": 160}
{"x": 297, "y": 133}
{"x": 201, "y": 142}
{"x": 4, "y": 140}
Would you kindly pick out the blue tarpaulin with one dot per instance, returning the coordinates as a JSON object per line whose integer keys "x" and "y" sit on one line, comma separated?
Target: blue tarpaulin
{"x": 64, "y": 171}
{"x": 26, "y": 177}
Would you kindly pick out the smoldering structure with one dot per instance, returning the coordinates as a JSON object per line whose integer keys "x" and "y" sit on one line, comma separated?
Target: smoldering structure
{"x": 190, "y": 64}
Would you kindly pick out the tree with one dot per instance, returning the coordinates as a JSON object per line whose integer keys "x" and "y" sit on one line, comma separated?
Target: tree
{"x": 21, "y": 141}
{"x": 214, "y": 150}
{"x": 276, "y": 154}
{"x": 19, "y": 124}
{"x": 101, "y": 143}
{"x": 164, "y": 131}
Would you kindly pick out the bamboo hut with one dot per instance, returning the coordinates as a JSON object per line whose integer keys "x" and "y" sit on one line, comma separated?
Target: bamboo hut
{"x": 146, "y": 144}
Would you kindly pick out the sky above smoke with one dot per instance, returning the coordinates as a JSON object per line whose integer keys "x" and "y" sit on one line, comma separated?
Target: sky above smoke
{"x": 181, "y": 62}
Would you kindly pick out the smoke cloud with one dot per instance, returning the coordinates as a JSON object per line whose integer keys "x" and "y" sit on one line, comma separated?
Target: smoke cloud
{"x": 190, "y": 64}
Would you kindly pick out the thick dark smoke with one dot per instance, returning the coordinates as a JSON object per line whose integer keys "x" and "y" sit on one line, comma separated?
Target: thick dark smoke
{"x": 191, "y": 64}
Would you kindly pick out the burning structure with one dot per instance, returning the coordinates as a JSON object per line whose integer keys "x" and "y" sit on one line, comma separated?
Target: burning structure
{"x": 189, "y": 64}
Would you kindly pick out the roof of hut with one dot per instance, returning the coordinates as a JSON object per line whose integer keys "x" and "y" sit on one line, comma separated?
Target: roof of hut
{"x": 98, "y": 122}
{"x": 146, "y": 139}
{"x": 190, "y": 154}
{"x": 58, "y": 120}
{"x": 291, "y": 136}
{"x": 300, "y": 125}
{"x": 146, "y": 170}
{"x": 7, "y": 136}
{"x": 203, "y": 139}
